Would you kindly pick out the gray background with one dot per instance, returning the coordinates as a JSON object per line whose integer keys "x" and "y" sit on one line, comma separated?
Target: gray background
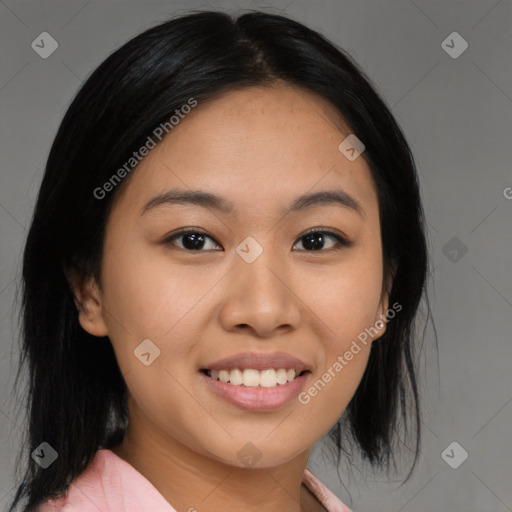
{"x": 456, "y": 114}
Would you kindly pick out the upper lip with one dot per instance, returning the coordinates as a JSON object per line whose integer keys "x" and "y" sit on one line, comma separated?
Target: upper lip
{"x": 258, "y": 361}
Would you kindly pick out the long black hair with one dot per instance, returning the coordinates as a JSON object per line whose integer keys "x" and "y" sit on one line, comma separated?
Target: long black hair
{"x": 77, "y": 395}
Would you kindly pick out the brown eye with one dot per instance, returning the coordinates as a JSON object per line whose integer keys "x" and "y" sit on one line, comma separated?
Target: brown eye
{"x": 191, "y": 240}
{"x": 313, "y": 240}
{"x": 316, "y": 239}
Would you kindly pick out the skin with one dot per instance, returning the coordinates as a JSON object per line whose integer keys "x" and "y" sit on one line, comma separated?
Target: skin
{"x": 260, "y": 148}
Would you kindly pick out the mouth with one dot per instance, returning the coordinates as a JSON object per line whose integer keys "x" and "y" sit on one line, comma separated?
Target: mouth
{"x": 255, "y": 379}
{"x": 254, "y": 390}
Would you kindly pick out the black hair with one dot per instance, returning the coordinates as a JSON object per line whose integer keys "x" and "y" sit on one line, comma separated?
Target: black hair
{"x": 77, "y": 395}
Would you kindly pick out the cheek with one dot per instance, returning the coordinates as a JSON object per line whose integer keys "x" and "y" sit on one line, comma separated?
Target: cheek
{"x": 147, "y": 295}
{"x": 144, "y": 299}
{"x": 347, "y": 303}
{"x": 329, "y": 394}
{"x": 345, "y": 297}
{"x": 148, "y": 299}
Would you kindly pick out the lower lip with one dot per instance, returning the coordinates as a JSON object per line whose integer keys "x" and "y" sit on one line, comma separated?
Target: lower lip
{"x": 257, "y": 399}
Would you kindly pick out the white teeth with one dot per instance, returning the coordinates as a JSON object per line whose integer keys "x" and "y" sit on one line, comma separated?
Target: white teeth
{"x": 250, "y": 377}
{"x": 268, "y": 379}
{"x": 236, "y": 377}
{"x": 282, "y": 376}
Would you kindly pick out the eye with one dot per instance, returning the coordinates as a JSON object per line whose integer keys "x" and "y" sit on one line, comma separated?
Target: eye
{"x": 192, "y": 240}
{"x": 314, "y": 240}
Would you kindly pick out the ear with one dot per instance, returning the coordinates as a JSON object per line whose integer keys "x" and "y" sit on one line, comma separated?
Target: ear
{"x": 381, "y": 317}
{"x": 88, "y": 302}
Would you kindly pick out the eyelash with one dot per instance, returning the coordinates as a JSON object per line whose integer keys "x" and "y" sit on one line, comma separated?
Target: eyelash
{"x": 342, "y": 241}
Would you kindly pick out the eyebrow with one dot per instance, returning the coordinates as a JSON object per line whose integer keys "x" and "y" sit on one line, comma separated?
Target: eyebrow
{"x": 209, "y": 200}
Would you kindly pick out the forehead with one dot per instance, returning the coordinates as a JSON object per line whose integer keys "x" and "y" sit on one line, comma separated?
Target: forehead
{"x": 253, "y": 144}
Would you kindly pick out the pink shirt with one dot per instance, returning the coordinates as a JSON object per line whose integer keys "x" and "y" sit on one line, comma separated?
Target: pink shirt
{"x": 110, "y": 484}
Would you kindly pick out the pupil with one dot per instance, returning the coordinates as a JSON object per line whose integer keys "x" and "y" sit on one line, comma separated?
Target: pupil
{"x": 310, "y": 241}
{"x": 193, "y": 241}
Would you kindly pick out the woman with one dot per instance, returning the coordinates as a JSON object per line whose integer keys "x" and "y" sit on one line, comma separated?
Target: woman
{"x": 224, "y": 265}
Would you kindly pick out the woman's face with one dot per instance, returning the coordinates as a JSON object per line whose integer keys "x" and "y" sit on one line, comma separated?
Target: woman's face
{"x": 253, "y": 285}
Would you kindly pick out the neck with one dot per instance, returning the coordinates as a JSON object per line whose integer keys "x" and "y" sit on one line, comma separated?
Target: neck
{"x": 190, "y": 481}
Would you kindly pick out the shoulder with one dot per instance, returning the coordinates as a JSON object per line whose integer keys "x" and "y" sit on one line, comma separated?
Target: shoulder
{"x": 327, "y": 498}
{"x": 85, "y": 490}
{"x": 108, "y": 484}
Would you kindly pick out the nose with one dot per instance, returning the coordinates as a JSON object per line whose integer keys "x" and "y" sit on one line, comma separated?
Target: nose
{"x": 260, "y": 297}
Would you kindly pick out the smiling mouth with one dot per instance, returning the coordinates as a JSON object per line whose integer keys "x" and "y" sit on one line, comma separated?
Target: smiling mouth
{"x": 252, "y": 378}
